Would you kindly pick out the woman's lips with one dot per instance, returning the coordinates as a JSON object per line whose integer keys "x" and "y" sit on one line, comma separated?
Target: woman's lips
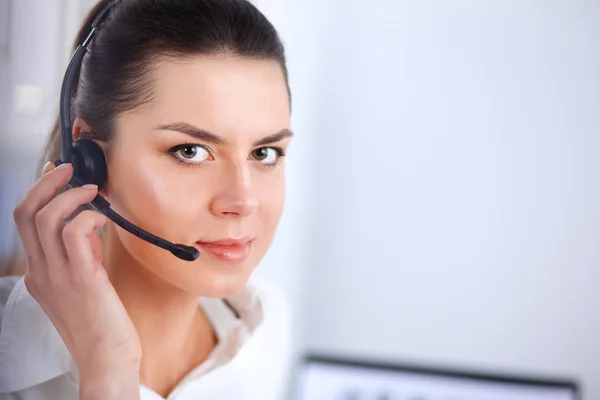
{"x": 229, "y": 250}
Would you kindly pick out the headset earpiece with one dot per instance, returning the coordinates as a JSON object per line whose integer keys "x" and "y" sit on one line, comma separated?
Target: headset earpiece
{"x": 89, "y": 162}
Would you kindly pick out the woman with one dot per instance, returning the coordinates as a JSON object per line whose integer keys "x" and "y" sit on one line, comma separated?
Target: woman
{"x": 189, "y": 101}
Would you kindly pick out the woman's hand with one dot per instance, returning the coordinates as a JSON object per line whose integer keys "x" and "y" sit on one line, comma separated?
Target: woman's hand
{"x": 66, "y": 277}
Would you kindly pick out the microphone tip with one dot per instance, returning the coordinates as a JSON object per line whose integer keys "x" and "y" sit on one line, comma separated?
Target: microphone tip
{"x": 184, "y": 252}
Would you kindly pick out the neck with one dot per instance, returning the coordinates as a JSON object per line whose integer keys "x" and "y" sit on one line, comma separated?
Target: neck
{"x": 174, "y": 332}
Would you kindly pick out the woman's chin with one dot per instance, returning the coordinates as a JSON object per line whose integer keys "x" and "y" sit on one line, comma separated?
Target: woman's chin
{"x": 209, "y": 279}
{"x": 217, "y": 285}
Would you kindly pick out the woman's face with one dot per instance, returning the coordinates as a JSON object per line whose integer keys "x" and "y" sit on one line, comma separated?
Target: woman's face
{"x": 201, "y": 165}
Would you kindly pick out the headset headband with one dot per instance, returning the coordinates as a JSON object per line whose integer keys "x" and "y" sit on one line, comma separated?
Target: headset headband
{"x": 67, "y": 86}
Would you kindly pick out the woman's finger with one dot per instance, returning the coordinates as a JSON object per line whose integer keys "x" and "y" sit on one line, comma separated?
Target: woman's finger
{"x": 50, "y": 220}
{"x": 36, "y": 198}
{"x": 77, "y": 238}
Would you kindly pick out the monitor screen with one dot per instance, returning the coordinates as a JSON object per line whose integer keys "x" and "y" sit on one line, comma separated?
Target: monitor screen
{"x": 333, "y": 379}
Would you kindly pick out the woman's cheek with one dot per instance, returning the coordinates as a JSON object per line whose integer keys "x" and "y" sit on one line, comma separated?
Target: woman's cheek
{"x": 271, "y": 200}
{"x": 151, "y": 196}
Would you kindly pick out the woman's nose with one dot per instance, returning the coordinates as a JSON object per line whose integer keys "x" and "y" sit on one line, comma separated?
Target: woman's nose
{"x": 236, "y": 197}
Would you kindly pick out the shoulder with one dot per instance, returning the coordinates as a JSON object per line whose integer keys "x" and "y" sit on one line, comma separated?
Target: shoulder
{"x": 7, "y": 284}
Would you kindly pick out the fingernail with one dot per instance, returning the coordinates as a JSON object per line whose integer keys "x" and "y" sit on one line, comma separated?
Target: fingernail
{"x": 48, "y": 167}
{"x": 90, "y": 186}
{"x": 63, "y": 166}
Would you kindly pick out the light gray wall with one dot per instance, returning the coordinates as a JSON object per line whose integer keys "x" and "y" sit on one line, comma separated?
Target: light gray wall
{"x": 32, "y": 59}
{"x": 458, "y": 201}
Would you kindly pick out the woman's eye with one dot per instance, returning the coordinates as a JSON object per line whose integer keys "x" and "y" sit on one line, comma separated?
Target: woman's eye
{"x": 267, "y": 155}
{"x": 191, "y": 153}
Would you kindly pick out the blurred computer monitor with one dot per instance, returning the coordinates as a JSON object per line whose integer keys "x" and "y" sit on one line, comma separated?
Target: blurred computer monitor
{"x": 327, "y": 378}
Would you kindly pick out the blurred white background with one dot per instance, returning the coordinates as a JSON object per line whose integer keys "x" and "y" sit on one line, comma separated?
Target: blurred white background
{"x": 443, "y": 198}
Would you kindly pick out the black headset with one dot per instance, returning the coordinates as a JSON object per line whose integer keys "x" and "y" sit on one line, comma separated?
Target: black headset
{"x": 88, "y": 159}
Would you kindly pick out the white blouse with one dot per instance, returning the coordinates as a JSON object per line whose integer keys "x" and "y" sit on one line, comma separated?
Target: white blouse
{"x": 251, "y": 360}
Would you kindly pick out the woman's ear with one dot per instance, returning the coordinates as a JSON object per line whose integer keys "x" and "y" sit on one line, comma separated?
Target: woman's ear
{"x": 80, "y": 126}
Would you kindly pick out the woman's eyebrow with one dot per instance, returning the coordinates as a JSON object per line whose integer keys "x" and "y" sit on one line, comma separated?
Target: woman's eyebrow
{"x": 274, "y": 138}
{"x": 190, "y": 130}
{"x": 206, "y": 136}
